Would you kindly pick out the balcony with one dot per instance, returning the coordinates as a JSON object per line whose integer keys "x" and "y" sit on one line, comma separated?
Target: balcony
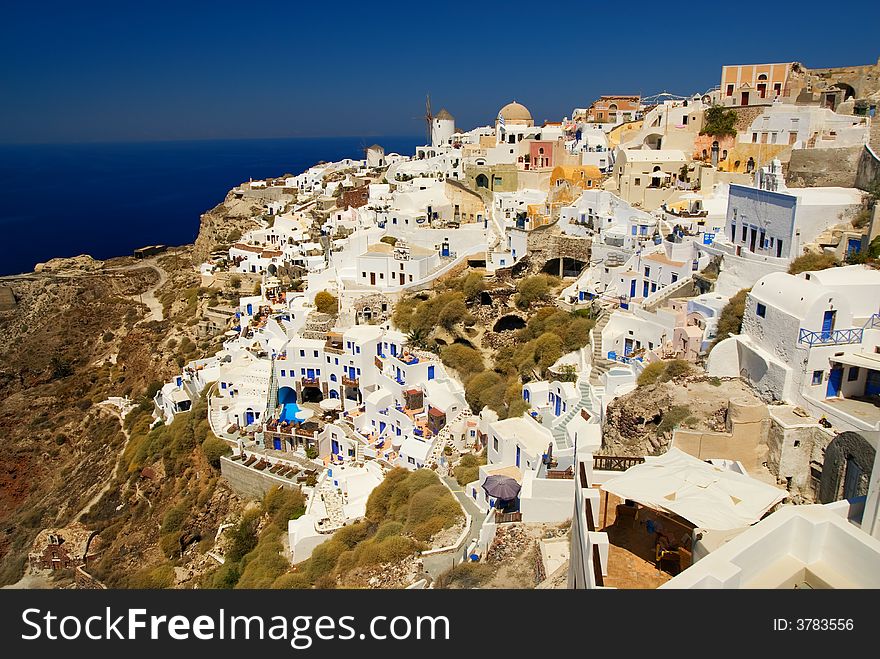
{"x": 838, "y": 337}
{"x": 832, "y": 337}
{"x": 311, "y": 382}
{"x": 350, "y": 382}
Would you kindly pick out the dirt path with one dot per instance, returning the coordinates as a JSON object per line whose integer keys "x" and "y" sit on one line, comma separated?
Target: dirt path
{"x": 148, "y": 297}
{"x": 95, "y": 499}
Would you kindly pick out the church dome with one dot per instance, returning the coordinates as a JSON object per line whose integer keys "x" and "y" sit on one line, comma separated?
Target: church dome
{"x": 515, "y": 112}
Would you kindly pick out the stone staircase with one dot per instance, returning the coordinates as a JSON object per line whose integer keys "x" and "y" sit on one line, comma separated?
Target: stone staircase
{"x": 333, "y": 503}
{"x": 601, "y": 364}
{"x": 442, "y": 440}
{"x": 585, "y": 403}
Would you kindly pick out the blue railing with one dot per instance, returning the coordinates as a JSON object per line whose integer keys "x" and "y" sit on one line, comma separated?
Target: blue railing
{"x": 832, "y": 337}
{"x": 623, "y": 359}
{"x": 838, "y": 337}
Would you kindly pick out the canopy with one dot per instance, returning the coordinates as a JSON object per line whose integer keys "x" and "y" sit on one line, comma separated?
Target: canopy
{"x": 330, "y": 404}
{"x": 501, "y": 487}
{"x": 709, "y": 497}
{"x": 304, "y": 414}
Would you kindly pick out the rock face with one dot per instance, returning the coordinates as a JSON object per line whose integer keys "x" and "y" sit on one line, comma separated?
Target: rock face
{"x": 7, "y": 299}
{"x": 81, "y": 263}
{"x": 641, "y": 422}
{"x": 238, "y": 213}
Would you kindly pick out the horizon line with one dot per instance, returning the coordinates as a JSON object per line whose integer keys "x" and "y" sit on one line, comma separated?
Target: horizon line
{"x": 206, "y": 139}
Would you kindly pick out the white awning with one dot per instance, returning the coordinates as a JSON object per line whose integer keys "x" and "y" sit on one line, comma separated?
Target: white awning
{"x": 709, "y": 497}
{"x": 861, "y": 359}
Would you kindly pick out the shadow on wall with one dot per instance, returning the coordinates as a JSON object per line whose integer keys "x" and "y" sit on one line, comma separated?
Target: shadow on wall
{"x": 846, "y": 472}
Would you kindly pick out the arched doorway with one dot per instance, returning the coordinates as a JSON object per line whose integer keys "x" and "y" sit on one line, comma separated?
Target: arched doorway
{"x": 334, "y": 393}
{"x": 312, "y": 395}
{"x": 848, "y": 91}
{"x": 482, "y": 181}
{"x": 286, "y": 395}
{"x": 656, "y": 177}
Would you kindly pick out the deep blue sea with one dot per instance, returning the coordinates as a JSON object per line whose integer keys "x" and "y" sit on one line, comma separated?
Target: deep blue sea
{"x": 108, "y": 199}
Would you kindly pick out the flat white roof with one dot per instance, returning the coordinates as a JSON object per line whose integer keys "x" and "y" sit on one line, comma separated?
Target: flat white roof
{"x": 526, "y": 432}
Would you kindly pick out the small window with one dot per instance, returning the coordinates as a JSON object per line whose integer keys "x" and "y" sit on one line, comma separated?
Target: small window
{"x": 817, "y": 377}
{"x": 853, "y": 374}
{"x": 761, "y": 310}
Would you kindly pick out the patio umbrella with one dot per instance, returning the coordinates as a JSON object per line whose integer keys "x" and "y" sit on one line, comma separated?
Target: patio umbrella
{"x": 503, "y": 488}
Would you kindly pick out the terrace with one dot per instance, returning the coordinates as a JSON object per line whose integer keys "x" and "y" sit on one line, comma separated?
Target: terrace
{"x": 837, "y": 337}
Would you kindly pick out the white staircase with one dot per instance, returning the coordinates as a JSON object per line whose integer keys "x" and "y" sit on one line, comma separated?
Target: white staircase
{"x": 585, "y": 403}
{"x": 601, "y": 364}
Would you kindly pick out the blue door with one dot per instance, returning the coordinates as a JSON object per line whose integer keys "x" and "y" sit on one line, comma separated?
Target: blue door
{"x": 632, "y": 288}
{"x": 430, "y": 372}
{"x": 853, "y": 245}
{"x": 835, "y": 378}
{"x": 310, "y": 373}
{"x": 645, "y": 289}
{"x": 627, "y": 347}
{"x": 250, "y": 310}
{"x": 872, "y": 383}
{"x": 558, "y": 409}
{"x": 517, "y": 456}
{"x": 276, "y": 443}
{"x": 248, "y": 418}
{"x": 334, "y": 446}
{"x": 444, "y": 249}
{"x": 828, "y": 323}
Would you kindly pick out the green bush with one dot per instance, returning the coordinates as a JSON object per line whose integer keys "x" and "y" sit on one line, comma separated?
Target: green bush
{"x": 226, "y": 576}
{"x": 243, "y": 536}
{"x": 532, "y": 289}
{"x": 213, "y": 449}
{"x": 731, "y": 317}
{"x": 452, "y": 314}
{"x": 651, "y": 374}
{"x": 169, "y": 544}
{"x": 719, "y": 121}
{"x": 811, "y": 262}
{"x": 292, "y": 581}
{"x": 672, "y": 417}
{"x": 283, "y": 505}
{"x": 174, "y": 519}
{"x": 152, "y": 578}
{"x": 326, "y": 302}
{"x": 463, "y": 359}
{"x": 465, "y": 575}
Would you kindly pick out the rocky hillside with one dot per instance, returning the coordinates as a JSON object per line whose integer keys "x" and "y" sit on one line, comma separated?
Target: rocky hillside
{"x": 75, "y": 333}
{"x": 641, "y": 422}
{"x": 227, "y": 221}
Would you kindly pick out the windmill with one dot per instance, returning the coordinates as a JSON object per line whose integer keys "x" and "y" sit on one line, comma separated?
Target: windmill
{"x": 429, "y": 118}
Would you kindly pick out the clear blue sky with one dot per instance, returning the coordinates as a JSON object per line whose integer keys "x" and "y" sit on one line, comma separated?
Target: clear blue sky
{"x": 119, "y": 71}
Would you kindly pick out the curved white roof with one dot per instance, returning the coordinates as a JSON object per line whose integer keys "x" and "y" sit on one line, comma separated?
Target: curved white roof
{"x": 788, "y": 293}
{"x": 850, "y": 275}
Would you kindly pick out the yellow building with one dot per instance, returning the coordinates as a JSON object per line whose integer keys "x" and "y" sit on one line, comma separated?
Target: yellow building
{"x": 585, "y": 177}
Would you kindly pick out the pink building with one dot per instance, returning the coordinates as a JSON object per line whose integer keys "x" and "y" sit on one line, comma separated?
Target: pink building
{"x": 540, "y": 155}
